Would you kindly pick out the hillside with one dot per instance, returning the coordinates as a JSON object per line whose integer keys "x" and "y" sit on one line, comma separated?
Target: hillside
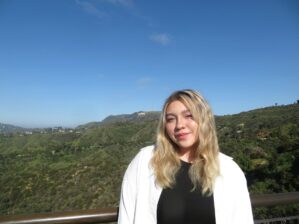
{"x": 45, "y": 172}
{"x": 8, "y": 128}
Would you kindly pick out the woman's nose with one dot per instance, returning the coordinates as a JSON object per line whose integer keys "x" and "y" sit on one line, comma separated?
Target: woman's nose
{"x": 179, "y": 123}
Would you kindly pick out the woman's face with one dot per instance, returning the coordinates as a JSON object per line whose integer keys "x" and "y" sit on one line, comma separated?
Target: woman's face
{"x": 180, "y": 126}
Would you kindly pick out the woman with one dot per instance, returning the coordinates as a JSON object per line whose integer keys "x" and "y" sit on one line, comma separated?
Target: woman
{"x": 184, "y": 179}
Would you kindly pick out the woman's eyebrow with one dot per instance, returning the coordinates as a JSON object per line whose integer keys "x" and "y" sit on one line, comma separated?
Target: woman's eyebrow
{"x": 170, "y": 114}
{"x": 186, "y": 111}
{"x": 182, "y": 112}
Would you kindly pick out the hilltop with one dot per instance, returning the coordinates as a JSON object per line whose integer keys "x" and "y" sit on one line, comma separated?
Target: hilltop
{"x": 140, "y": 116}
{"x": 8, "y": 128}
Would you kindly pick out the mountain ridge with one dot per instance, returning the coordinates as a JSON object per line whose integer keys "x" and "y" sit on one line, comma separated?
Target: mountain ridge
{"x": 139, "y": 116}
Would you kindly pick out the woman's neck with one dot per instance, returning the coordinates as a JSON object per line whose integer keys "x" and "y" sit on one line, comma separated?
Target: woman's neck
{"x": 187, "y": 155}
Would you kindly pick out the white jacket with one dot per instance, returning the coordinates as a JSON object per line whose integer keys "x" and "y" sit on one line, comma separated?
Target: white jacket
{"x": 140, "y": 194}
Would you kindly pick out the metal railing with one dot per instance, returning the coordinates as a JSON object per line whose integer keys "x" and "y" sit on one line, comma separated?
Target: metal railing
{"x": 104, "y": 215}
{"x": 282, "y": 220}
{"x": 107, "y": 215}
{"x": 260, "y": 200}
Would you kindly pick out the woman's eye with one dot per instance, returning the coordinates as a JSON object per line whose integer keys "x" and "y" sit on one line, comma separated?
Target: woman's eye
{"x": 189, "y": 116}
{"x": 169, "y": 119}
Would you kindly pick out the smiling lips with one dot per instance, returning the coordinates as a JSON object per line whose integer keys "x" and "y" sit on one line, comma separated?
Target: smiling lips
{"x": 181, "y": 136}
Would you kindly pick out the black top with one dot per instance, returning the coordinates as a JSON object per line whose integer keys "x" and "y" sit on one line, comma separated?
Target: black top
{"x": 180, "y": 205}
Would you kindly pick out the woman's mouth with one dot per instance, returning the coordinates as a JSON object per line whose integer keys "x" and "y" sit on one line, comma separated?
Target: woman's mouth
{"x": 181, "y": 136}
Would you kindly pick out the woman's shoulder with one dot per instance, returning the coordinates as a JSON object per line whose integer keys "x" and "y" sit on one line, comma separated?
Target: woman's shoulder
{"x": 147, "y": 149}
{"x": 140, "y": 161}
{"x": 228, "y": 165}
{"x": 146, "y": 152}
{"x": 144, "y": 155}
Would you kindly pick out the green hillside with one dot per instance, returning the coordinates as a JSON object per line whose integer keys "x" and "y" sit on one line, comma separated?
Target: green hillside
{"x": 45, "y": 172}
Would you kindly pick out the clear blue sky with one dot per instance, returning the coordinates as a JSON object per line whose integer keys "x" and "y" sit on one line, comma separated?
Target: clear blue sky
{"x": 69, "y": 62}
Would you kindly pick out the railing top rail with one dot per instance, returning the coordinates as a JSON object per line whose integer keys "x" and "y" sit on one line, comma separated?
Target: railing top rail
{"x": 274, "y": 199}
{"x": 103, "y": 215}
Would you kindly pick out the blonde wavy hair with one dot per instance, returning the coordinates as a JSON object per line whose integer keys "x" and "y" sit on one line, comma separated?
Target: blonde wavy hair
{"x": 205, "y": 165}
